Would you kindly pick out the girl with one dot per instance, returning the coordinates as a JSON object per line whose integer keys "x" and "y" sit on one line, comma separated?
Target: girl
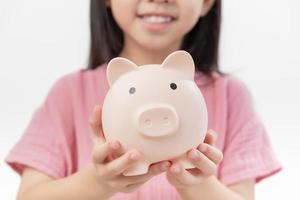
{"x": 59, "y": 160}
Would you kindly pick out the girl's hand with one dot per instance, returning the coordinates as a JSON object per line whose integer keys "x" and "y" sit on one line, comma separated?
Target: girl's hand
{"x": 205, "y": 157}
{"x": 110, "y": 162}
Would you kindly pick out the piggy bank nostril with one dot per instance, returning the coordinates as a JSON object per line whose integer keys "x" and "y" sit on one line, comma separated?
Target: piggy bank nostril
{"x": 148, "y": 122}
{"x": 166, "y": 121}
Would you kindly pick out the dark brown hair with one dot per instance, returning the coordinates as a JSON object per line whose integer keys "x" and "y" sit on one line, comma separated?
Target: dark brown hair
{"x": 202, "y": 42}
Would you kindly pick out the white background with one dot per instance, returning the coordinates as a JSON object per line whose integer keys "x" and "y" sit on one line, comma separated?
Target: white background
{"x": 42, "y": 40}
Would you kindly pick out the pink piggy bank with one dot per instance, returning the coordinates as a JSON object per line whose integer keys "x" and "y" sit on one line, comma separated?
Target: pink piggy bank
{"x": 157, "y": 109}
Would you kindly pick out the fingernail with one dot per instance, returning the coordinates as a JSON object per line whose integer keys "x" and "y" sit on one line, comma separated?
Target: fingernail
{"x": 203, "y": 147}
{"x": 195, "y": 155}
{"x": 135, "y": 156}
{"x": 114, "y": 145}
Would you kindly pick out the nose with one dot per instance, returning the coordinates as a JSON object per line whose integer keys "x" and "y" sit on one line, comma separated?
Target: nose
{"x": 157, "y": 120}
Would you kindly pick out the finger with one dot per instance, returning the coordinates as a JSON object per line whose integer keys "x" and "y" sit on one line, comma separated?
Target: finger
{"x": 101, "y": 152}
{"x": 211, "y": 137}
{"x": 203, "y": 163}
{"x": 96, "y": 126}
{"x": 123, "y": 162}
{"x": 116, "y": 153}
{"x": 182, "y": 176}
{"x": 211, "y": 152}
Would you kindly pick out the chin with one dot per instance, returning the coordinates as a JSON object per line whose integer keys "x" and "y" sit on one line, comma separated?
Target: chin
{"x": 156, "y": 44}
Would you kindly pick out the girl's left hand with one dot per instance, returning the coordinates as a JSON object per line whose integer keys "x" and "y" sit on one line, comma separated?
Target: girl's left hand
{"x": 205, "y": 157}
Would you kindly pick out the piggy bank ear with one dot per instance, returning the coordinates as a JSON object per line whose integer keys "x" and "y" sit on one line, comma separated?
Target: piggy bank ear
{"x": 181, "y": 61}
{"x": 117, "y": 67}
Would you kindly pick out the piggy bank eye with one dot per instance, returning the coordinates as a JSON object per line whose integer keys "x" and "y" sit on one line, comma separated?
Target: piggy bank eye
{"x": 173, "y": 86}
{"x": 132, "y": 90}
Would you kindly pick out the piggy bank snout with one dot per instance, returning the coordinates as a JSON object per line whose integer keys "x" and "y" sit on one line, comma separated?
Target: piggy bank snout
{"x": 157, "y": 120}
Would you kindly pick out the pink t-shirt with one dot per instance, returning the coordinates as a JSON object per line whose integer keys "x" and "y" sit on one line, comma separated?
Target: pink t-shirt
{"x": 57, "y": 141}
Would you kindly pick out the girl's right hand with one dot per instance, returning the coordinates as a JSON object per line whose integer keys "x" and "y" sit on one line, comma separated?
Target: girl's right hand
{"x": 110, "y": 162}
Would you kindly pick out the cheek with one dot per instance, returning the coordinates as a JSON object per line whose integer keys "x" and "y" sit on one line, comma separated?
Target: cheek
{"x": 192, "y": 12}
{"x": 123, "y": 11}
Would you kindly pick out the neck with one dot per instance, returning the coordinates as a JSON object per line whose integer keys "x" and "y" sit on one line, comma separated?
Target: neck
{"x": 143, "y": 56}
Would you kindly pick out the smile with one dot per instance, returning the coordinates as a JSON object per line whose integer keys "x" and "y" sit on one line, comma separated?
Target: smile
{"x": 156, "y": 22}
{"x": 156, "y": 19}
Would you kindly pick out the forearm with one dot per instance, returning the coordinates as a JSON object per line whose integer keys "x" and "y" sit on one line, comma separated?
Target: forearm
{"x": 212, "y": 189}
{"x": 78, "y": 186}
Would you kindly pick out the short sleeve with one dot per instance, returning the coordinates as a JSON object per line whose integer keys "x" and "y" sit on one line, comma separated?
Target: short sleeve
{"x": 46, "y": 142}
{"x": 248, "y": 153}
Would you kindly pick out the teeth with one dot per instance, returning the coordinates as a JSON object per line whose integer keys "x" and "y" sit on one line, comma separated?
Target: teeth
{"x": 156, "y": 19}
